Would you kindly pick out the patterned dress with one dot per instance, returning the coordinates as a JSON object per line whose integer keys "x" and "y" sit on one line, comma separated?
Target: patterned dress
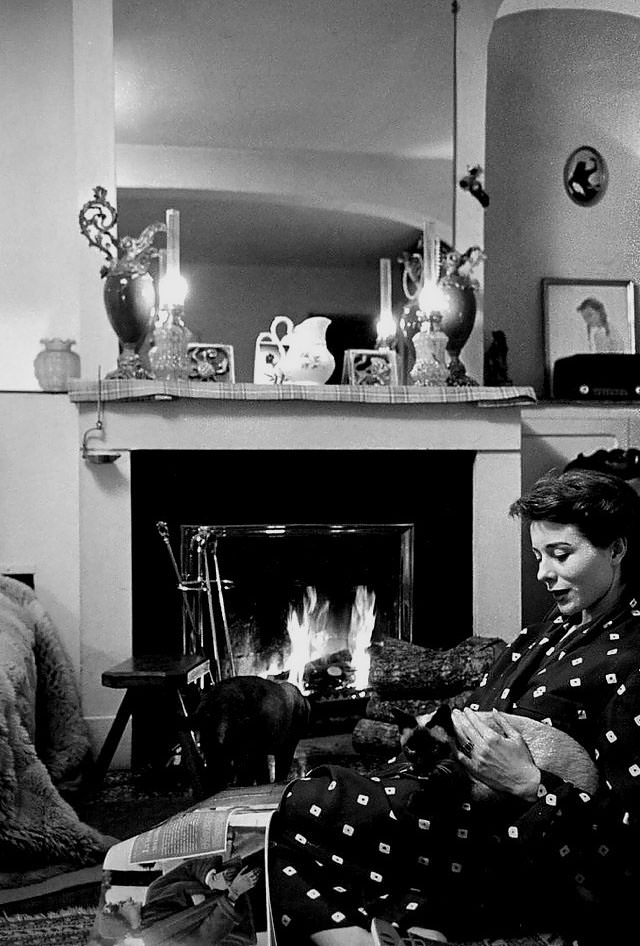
{"x": 419, "y": 851}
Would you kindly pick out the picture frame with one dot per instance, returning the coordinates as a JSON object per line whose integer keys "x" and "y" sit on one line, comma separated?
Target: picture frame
{"x": 585, "y": 176}
{"x": 587, "y": 316}
{"x": 370, "y": 366}
{"x": 211, "y": 362}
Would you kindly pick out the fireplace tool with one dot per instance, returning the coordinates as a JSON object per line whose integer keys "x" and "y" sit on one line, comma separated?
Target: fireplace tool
{"x": 191, "y": 637}
{"x": 205, "y": 537}
{"x": 196, "y": 636}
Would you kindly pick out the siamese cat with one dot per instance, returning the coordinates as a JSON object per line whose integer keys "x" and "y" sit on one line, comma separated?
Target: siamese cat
{"x": 430, "y": 742}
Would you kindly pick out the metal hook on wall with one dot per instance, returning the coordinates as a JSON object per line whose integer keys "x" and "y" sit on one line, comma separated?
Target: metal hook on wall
{"x": 90, "y": 454}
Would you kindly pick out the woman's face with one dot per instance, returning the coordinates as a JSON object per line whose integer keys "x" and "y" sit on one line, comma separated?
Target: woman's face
{"x": 592, "y": 317}
{"x": 581, "y": 577}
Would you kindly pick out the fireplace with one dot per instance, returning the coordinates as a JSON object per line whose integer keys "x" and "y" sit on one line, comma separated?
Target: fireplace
{"x": 329, "y": 455}
{"x": 285, "y": 527}
{"x": 293, "y": 557}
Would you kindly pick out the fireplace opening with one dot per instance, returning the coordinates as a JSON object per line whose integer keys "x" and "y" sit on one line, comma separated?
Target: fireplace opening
{"x": 385, "y": 532}
{"x": 301, "y": 602}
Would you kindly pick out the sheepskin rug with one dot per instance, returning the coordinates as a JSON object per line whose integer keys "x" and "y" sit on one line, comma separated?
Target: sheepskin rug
{"x": 44, "y": 742}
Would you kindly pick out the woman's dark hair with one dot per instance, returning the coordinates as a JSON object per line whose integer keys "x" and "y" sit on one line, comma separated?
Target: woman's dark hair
{"x": 602, "y": 507}
{"x": 592, "y": 303}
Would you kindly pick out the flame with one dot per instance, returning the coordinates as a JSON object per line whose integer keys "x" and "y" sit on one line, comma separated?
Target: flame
{"x": 311, "y": 632}
{"x": 307, "y": 635}
{"x": 363, "y": 619}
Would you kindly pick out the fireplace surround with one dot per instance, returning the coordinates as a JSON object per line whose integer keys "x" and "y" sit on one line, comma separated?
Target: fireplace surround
{"x": 406, "y": 425}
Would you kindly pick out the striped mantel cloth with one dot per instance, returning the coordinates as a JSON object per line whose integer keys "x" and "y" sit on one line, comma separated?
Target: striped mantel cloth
{"x": 138, "y": 390}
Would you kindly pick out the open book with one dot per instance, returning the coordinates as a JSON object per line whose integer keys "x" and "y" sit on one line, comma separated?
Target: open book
{"x": 231, "y": 824}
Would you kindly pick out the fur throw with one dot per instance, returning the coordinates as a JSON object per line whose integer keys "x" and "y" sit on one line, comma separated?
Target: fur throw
{"x": 43, "y": 741}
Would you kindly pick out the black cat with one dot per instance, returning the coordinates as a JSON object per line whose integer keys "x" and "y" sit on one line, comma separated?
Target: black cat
{"x": 244, "y": 720}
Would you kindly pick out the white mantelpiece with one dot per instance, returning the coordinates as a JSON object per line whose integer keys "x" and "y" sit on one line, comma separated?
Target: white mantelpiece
{"x": 297, "y": 423}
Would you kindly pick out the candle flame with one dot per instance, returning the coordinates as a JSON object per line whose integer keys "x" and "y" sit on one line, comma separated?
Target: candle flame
{"x": 431, "y": 297}
{"x": 173, "y": 290}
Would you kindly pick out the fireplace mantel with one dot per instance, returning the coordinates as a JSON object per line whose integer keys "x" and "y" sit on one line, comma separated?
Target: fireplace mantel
{"x": 82, "y": 391}
{"x": 151, "y": 415}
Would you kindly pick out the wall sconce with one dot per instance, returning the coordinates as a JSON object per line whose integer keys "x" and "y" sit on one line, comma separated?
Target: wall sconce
{"x": 97, "y": 455}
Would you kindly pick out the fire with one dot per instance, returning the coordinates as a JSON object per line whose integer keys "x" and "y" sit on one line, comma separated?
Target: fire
{"x": 311, "y": 633}
{"x": 363, "y": 619}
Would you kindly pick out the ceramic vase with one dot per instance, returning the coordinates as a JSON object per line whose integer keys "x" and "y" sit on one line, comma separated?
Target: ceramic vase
{"x": 56, "y": 364}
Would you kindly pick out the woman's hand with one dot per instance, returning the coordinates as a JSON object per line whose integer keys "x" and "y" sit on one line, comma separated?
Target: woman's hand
{"x": 497, "y": 756}
{"x": 246, "y": 879}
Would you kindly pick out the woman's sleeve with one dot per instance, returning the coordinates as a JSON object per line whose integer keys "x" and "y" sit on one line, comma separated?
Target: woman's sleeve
{"x": 592, "y": 841}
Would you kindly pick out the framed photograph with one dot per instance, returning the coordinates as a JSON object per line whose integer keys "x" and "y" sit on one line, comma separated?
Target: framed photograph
{"x": 587, "y": 316}
{"x": 585, "y": 176}
{"x": 211, "y": 362}
{"x": 370, "y": 366}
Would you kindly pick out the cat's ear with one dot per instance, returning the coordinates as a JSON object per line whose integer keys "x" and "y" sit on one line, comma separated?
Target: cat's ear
{"x": 403, "y": 720}
{"x": 442, "y": 718}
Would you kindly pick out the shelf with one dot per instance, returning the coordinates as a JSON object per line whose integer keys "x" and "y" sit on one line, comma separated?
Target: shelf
{"x": 132, "y": 390}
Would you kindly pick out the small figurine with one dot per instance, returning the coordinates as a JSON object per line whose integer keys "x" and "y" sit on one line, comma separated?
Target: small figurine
{"x": 496, "y": 371}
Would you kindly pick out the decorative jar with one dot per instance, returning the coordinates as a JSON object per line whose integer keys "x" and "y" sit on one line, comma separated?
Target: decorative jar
{"x": 56, "y": 364}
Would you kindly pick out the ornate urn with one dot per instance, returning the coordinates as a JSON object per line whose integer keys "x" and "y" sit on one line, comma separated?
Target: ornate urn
{"x": 129, "y": 290}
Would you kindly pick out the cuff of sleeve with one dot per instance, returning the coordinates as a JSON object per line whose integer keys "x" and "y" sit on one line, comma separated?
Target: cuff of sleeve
{"x": 227, "y": 908}
{"x": 549, "y": 785}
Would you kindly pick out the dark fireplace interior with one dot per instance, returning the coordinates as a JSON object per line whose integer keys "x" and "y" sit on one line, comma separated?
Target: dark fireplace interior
{"x": 274, "y": 544}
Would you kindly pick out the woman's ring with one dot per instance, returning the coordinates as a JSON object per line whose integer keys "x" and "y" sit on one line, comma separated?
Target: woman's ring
{"x": 467, "y": 747}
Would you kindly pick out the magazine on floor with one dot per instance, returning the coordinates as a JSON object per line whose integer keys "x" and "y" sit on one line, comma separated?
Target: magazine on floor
{"x": 206, "y": 829}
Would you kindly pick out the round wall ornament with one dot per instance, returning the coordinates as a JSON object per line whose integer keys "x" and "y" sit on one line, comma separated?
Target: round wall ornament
{"x": 585, "y": 176}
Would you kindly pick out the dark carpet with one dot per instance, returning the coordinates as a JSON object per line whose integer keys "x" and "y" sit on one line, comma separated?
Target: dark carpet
{"x": 69, "y": 927}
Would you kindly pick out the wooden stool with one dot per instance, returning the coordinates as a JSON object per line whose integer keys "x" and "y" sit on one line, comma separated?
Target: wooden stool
{"x": 169, "y": 676}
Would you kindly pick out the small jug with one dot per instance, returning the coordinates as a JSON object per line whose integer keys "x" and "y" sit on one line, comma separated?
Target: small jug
{"x": 307, "y": 360}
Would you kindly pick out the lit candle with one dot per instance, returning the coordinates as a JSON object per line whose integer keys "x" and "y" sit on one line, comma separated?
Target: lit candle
{"x": 173, "y": 242}
{"x": 428, "y": 251}
{"x": 173, "y": 286}
{"x": 386, "y": 323}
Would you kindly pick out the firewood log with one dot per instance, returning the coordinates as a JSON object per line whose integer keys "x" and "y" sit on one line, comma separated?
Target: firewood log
{"x": 401, "y": 670}
{"x": 373, "y": 737}
{"x": 383, "y": 709}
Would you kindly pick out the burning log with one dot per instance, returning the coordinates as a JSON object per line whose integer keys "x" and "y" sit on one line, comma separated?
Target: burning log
{"x": 401, "y": 670}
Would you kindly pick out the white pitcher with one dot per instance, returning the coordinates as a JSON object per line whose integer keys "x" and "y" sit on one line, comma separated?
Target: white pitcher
{"x": 307, "y": 360}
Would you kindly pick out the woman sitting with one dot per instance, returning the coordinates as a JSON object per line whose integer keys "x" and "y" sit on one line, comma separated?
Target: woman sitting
{"x": 420, "y": 853}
